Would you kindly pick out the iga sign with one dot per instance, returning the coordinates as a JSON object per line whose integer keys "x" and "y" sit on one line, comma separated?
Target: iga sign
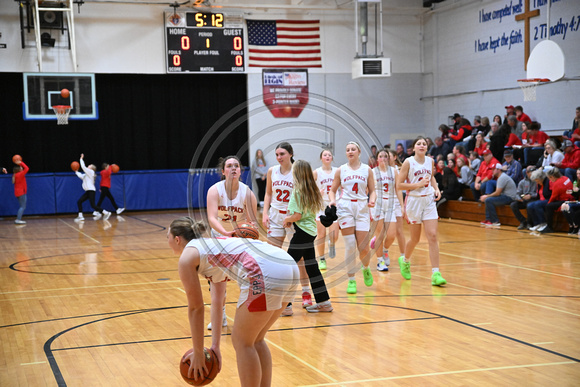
{"x": 285, "y": 91}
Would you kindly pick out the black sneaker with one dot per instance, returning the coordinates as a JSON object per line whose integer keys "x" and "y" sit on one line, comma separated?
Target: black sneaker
{"x": 546, "y": 230}
{"x": 523, "y": 226}
{"x": 573, "y": 230}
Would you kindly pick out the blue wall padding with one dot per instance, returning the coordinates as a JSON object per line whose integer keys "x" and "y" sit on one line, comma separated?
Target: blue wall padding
{"x": 57, "y": 193}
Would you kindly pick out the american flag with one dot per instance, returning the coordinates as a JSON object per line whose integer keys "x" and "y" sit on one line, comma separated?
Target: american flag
{"x": 284, "y": 43}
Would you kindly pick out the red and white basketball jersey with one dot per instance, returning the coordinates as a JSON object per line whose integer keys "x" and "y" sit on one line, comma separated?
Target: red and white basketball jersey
{"x": 419, "y": 172}
{"x": 385, "y": 182}
{"x": 324, "y": 180}
{"x": 282, "y": 187}
{"x": 354, "y": 182}
{"x": 232, "y": 210}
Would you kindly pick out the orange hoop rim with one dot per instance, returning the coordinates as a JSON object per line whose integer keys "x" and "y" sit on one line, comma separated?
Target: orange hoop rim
{"x": 534, "y": 80}
{"x": 61, "y": 108}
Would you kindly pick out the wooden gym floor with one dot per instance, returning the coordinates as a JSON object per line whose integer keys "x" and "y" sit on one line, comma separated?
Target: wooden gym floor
{"x": 102, "y": 305}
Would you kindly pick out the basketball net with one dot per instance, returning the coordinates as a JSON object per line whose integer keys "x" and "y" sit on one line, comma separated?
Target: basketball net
{"x": 528, "y": 86}
{"x": 61, "y": 112}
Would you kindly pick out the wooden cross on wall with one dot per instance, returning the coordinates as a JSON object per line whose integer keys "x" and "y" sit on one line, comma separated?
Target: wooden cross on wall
{"x": 526, "y": 16}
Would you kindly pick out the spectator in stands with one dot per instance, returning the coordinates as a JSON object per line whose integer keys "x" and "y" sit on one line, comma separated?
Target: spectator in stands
{"x": 439, "y": 173}
{"x": 456, "y": 122}
{"x": 462, "y": 133}
{"x": 484, "y": 175}
{"x": 505, "y": 193}
{"x": 574, "y": 133}
{"x": 474, "y": 162}
{"x": 498, "y": 141}
{"x": 451, "y": 188}
{"x": 561, "y": 185}
{"x": 535, "y": 209}
{"x": 430, "y": 143}
{"x": 520, "y": 115}
{"x": 497, "y": 118}
{"x": 373, "y": 157}
{"x": 439, "y": 148}
{"x": 552, "y": 156}
{"x": 515, "y": 125}
{"x": 466, "y": 174}
{"x": 571, "y": 210}
{"x": 509, "y": 111}
{"x": 512, "y": 167}
{"x": 410, "y": 151}
{"x": 533, "y": 140}
{"x": 480, "y": 144}
{"x": 401, "y": 155}
{"x": 527, "y": 192}
{"x": 485, "y": 128}
{"x": 571, "y": 161}
{"x": 451, "y": 164}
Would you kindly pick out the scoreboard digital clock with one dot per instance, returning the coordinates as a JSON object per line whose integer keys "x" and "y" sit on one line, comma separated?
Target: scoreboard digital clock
{"x": 199, "y": 42}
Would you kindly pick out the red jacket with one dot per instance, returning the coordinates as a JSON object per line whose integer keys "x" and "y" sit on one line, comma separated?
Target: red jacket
{"x": 20, "y": 187}
{"x": 462, "y": 132}
{"x": 513, "y": 140}
{"x": 559, "y": 188}
{"x": 486, "y": 169}
{"x": 106, "y": 177}
{"x": 571, "y": 159}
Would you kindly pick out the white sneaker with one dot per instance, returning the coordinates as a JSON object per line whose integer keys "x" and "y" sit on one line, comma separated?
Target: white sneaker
{"x": 224, "y": 321}
{"x": 97, "y": 217}
{"x": 262, "y": 204}
{"x": 80, "y": 218}
{"x": 119, "y": 210}
{"x": 106, "y": 214}
{"x": 95, "y": 213}
{"x": 382, "y": 267}
{"x": 19, "y": 221}
{"x": 541, "y": 227}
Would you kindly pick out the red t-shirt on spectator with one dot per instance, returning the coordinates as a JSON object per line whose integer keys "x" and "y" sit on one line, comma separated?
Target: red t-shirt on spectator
{"x": 479, "y": 150}
{"x": 513, "y": 140}
{"x": 524, "y": 118}
{"x": 539, "y": 138}
{"x": 486, "y": 169}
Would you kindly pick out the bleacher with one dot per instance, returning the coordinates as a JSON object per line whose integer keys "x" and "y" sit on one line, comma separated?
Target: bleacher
{"x": 469, "y": 209}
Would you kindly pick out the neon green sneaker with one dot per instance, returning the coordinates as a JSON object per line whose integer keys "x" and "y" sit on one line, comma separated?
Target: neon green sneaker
{"x": 368, "y": 276}
{"x": 437, "y": 279}
{"x": 351, "y": 288}
{"x": 322, "y": 264}
{"x": 405, "y": 268}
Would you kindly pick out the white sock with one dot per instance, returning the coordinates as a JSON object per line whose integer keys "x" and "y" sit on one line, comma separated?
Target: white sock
{"x": 351, "y": 278}
{"x": 380, "y": 259}
{"x": 80, "y": 214}
{"x": 433, "y": 270}
{"x": 350, "y": 254}
{"x": 305, "y": 289}
{"x": 324, "y": 303}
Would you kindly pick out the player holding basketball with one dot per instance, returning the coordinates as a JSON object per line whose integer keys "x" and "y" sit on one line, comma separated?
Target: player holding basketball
{"x": 88, "y": 179}
{"x": 106, "y": 188}
{"x": 385, "y": 214}
{"x": 305, "y": 203}
{"x": 324, "y": 177}
{"x": 20, "y": 188}
{"x": 418, "y": 178}
{"x": 229, "y": 202}
{"x": 268, "y": 279}
{"x": 355, "y": 178}
{"x": 279, "y": 187}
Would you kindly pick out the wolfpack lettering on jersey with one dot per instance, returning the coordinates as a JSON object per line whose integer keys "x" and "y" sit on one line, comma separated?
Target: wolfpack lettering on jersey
{"x": 354, "y": 182}
{"x": 385, "y": 182}
{"x": 419, "y": 172}
{"x": 324, "y": 180}
{"x": 233, "y": 210}
{"x": 282, "y": 186}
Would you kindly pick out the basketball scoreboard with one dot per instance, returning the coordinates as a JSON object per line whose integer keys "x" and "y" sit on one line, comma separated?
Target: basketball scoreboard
{"x": 202, "y": 42}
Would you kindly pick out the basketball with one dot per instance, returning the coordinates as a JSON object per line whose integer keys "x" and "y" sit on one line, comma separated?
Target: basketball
{"x": 64, "y": 93}
{"x": 211, "y": 361}
{"x": 75, "y": 166}
{"x": 247, "y": 231}
{"x": 16, "y": 158}
{"x": 115, "y": 168}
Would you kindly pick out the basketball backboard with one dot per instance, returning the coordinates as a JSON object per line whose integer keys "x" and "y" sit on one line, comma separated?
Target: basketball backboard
{"x": 546, "y": 61}
{"x": 42, "y": 91}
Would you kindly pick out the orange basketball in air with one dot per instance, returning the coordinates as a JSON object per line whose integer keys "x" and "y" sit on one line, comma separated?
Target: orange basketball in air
{"x": 64, "y": 93}
{"x": 115, "y": 168}
{"x": 16, "y": 158}
{"x": 75, "y": 166}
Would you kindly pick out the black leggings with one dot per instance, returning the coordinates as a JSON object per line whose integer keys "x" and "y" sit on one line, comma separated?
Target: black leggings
{"x": 302, "y": 246}
{"x": 90, "y": 196}
{"x": 105, "y": 193}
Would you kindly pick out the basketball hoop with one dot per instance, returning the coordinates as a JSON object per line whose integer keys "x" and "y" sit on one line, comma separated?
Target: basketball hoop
{"x": 529, "y": 87}
{"x": 61, "y": 112}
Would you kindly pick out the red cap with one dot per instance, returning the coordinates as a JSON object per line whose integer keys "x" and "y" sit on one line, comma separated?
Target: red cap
{"x": 486, "y": 152}
{"x": 510, "y": 107}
